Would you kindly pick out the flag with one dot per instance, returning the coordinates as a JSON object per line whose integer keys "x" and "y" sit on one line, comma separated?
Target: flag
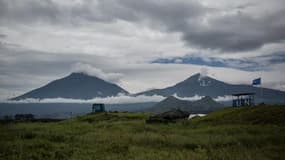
{"x": 256, "y": 81}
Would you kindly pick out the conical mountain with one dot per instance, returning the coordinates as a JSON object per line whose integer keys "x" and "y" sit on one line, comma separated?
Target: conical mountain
{"x": 76, "y": 86}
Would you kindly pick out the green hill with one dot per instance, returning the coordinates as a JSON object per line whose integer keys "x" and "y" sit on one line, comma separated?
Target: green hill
{"x": 231, "y": 134}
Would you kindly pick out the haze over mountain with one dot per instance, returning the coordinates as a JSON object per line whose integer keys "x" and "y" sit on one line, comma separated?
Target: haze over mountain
{"x": 204, "y": 105}
{"x": 207, "y": 86}
{"x": 76, "y": 86}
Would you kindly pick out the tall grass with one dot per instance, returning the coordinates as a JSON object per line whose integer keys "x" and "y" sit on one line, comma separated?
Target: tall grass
{"x": 226, "y": 134}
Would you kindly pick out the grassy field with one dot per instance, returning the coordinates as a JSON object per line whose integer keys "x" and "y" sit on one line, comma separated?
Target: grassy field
{"x": 234, "y": 133}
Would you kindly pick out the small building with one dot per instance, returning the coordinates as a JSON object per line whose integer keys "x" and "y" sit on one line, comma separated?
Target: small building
{"x": 98, "y": 107}
{"x": 243, "y": 99}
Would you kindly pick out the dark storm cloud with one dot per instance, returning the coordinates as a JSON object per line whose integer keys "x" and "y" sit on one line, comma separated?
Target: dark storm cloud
{"x": 27, "y": 11}
{"x": 99, "y": 11}
{"x": 238, "y": 31}
{"x": 172, "y": 14}
{"x": 3, "y": 35}
{"x": 244, "y": 6}
{"x": 231, "y": 32}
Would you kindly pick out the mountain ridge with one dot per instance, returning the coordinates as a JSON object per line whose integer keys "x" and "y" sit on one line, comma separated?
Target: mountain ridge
{"x": 198, "y": 84}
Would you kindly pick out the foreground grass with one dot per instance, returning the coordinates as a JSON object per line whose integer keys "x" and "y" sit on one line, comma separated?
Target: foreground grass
{"x": 241, "y": 134}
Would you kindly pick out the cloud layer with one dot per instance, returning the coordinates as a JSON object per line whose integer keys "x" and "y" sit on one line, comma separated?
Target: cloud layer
{"x": 120, "y": 99}
{"x": 227, "y": 29}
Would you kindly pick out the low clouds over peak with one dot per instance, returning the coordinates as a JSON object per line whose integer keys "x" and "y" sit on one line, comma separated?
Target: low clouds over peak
{"x": 93, "y": 71}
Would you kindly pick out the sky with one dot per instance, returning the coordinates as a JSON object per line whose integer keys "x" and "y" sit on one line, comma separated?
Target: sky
{"x": 140, "y": 45}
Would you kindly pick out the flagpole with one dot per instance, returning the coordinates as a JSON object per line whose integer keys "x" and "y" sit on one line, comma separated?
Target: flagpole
{"x": 261, "y": 90}
{"x": 262, "y": 101}
{"x": 257, "y": 83}
{"x": 260, "y": 94}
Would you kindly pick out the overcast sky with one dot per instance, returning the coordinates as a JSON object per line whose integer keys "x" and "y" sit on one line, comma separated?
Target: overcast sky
{"x": 140, "y": 44}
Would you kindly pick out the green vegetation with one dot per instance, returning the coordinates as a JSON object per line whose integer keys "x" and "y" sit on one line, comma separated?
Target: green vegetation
{"x": 234, "y": 133}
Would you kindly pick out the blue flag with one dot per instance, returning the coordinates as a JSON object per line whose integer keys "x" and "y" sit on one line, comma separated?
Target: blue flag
{"x": 256, "y": 81}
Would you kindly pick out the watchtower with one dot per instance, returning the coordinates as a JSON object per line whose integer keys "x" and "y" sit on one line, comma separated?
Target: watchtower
{"x": 243, "y": 99}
